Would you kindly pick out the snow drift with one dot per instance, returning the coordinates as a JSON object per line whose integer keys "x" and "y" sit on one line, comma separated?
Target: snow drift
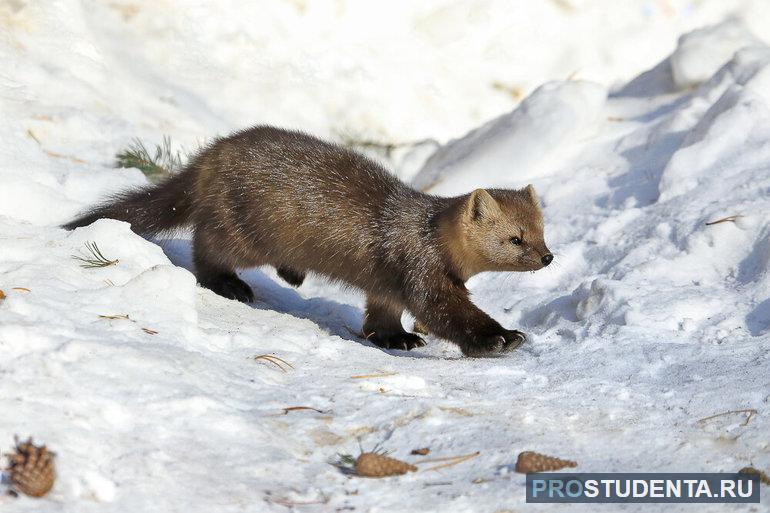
{"x": 554, "y": 116}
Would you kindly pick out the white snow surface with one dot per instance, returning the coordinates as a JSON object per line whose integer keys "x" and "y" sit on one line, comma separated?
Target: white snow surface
{"x": 553, "y": 116}
{"x": 702, "y": 52}
{"x": 649, "y": 324}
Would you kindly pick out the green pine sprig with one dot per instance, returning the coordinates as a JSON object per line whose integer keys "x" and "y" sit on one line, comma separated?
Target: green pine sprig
{"x": 96, "y": 258}
{"x": 156, "y": 165}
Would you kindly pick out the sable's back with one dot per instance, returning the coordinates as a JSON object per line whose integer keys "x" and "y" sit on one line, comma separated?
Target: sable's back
{"x": 295, "y": 168}
{"x": 304, "y": 200}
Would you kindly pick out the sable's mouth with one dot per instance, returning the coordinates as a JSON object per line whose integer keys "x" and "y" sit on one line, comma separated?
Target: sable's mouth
{"x": 530, "y": 267}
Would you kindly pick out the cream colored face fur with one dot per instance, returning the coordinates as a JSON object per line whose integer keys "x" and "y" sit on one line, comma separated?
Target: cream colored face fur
{"x": 502, "y": 230}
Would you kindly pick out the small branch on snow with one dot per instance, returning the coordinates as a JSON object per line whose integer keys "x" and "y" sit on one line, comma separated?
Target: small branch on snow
{"x": 730, "y": 219}
{"x": 295, "y": 408}
{"x": 278, "y": 362}
{"x": 123, "y": 317}
{"x": 451, "y": 460}
{"x": 379, "y": 375}
{"x": 749, "y": 411}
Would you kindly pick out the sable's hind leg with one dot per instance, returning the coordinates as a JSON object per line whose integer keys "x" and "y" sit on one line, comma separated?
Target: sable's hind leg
{"x": 213, "y": 273}
{"x": 382, "y": 325}
{"x": 290, "y": 276}
{"x": 226, "y": 284}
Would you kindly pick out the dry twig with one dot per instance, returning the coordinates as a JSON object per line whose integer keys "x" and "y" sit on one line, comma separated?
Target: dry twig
{"x": 125, "y": 317}
{"x": 377, "y": 375}
{"x": 53, "y": 153}
{"x": 728, "y": 219}
{"x": 122, "y": 317}
{"x": 749, "y": 411}
{"x": 295, "y": 408}
{"x": 278, "y": 362}
{"x": 451, "y": 460}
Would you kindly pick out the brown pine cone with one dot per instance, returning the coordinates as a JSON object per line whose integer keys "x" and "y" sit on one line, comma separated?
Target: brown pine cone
{"x": 530, "y": 461}
{"x": 31, "y": 468}
{"x": 372, "y": 464}
{"x": 751, "y": 470}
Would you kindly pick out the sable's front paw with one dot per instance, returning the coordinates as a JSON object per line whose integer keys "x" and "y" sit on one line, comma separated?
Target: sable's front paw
{"x": 491, "y": 345}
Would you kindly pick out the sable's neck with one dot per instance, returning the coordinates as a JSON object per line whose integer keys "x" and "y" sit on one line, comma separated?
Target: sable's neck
{"x": 451, "y": 226}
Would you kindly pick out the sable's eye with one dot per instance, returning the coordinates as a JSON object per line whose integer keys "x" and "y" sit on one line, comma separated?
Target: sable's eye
{"x": 516, "y": 241}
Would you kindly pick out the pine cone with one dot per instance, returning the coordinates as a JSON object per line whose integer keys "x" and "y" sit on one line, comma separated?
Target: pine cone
{"x": 530, "y": 461}
{"x": 751, "y": 470}
{"x": 31, "y": 468}
{"x": 372, "y": 464}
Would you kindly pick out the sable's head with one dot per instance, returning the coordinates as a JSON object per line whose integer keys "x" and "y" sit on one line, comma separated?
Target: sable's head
{"x": 503, "y": 231}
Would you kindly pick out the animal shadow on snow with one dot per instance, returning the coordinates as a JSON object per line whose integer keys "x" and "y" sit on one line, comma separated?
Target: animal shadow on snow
{"x": 758, "y": 321}
{"x": 754, "y": 265}
{"x": 333, "y": 317}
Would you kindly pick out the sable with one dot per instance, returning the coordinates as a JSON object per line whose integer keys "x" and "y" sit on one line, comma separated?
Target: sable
{"x": 268, "y": 196}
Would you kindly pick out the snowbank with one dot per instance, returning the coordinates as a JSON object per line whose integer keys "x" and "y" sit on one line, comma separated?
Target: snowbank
{"x": 702, "y": 52}
{"x": 734, "y": 109}
{"x": 517, "y": 144}
{"x": 395, "y": 72}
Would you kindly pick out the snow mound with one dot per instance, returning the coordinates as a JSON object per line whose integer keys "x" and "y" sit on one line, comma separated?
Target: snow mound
{"x": 515, "y": 144}
{"x": 715, "y": 148}
{"x": 702, "y": 52}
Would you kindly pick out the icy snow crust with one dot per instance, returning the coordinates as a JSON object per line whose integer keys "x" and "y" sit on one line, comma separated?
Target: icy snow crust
{"x": 648, "y": 321}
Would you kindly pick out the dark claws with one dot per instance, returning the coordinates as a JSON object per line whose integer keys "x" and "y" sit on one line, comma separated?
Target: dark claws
{"x": 495, "y": 344}
{"x": 403, "y": 341}
{"x": 513, "y": 340}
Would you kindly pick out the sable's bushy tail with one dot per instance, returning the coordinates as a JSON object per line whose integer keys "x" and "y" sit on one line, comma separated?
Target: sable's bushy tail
{"x": 150, "y": 210}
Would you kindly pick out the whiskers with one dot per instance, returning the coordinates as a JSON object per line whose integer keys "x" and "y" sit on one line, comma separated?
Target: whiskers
{"x": 555, "y": 265}
{"x": 507, "y": 278}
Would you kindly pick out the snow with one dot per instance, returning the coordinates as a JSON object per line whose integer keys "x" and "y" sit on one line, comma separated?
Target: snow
{"x": 648, "y": 324}
{"x": 702, "y": 52}
{"x": 555, "y": 115}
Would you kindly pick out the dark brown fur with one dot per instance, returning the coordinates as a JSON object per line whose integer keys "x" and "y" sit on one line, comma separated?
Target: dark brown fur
{"x": 286, "y": 199}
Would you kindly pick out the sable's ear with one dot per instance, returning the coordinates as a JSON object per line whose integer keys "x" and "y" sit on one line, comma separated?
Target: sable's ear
{"x": 481, "y": 205}
{"x": 530, "y": 189}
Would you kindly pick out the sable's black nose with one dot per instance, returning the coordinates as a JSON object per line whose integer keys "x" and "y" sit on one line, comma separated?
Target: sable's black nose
{"x": 547, "y": 259}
